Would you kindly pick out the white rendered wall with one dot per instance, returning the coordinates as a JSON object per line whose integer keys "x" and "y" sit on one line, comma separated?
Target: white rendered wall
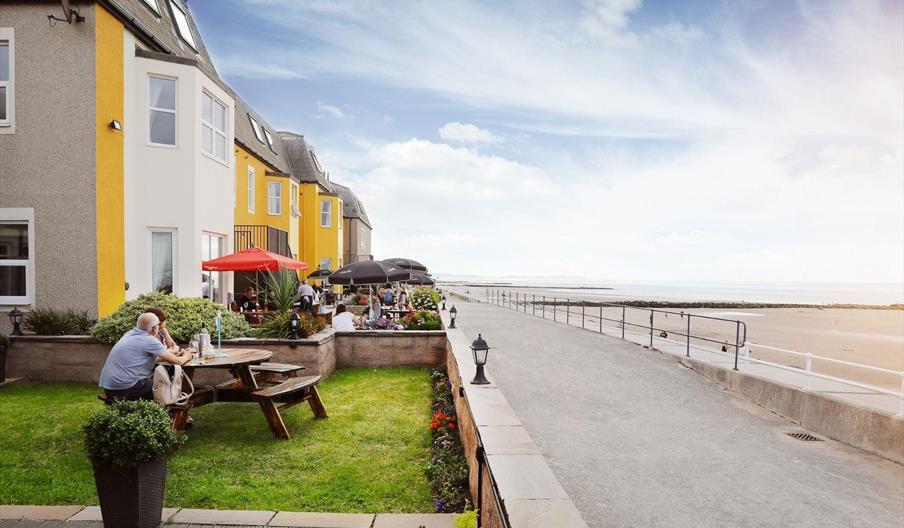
{"x": 177, "y": 188}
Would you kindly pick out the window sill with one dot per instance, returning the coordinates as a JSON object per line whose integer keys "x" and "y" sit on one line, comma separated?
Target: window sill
{"x": 216, "y": 159}
{"x": 161, "y": 145}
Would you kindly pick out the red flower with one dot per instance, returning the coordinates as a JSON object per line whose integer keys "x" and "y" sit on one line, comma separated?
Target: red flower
{"x": 451, "y": 425}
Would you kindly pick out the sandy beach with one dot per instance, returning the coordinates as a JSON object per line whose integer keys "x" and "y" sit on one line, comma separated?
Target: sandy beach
{"x": 865, "y": 336}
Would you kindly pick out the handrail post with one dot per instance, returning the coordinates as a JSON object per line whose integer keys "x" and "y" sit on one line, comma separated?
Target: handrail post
{"x": 601, "y": 318}
{"x": 567, "y": 311}
{"x": 555, "y": 308}
{"x": 737, "y": 347}
{"x": 688, "y": 353}
{"x": 583, "y": 308}
{"x": 651, "y": 328}
{"x": 623, "y": 322}
{"x": 543, "y": 310}
{"x": 533, "y": 304}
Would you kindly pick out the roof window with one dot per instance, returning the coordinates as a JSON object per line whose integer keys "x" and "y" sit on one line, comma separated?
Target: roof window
{"x": 269, "y": 139}
{"x": 181, "y": 20}
{"x": 257, "y": 129}
{"x": 152, "y": 5}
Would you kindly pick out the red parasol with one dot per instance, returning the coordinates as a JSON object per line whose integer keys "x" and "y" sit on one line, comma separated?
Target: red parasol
{"x": 253, "y": 259}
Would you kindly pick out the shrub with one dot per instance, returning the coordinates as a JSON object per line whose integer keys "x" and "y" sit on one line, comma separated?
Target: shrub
{"x": 467, "y": 519}
{"x": 185, "y": 316}
{"x": 425, "y": 299}
{"x": 448, "y": 468}
{"x": 422, "y": 320}
{"x": 4, "y": 341}
{"x": 50, "y": 321}
{"x": 284, "y": 286}
{"x": 130, "y": 433}
{"x": 279, "y": 326}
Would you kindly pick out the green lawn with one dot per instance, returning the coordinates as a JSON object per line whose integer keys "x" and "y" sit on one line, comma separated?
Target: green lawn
{"x": 368, "y": 456}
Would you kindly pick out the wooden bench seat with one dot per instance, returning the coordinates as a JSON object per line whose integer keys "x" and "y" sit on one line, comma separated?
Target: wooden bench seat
{"x": 289, "y": 393}
{"x": 270, "y": 372}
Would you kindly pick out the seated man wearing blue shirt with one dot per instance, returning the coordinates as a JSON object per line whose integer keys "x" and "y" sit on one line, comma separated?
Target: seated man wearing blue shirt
{"x": 127, "y": 372}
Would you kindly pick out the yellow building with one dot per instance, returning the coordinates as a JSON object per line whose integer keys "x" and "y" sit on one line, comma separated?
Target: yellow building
{"x": 320, "y": 226}
{"x": 267, "y": 211}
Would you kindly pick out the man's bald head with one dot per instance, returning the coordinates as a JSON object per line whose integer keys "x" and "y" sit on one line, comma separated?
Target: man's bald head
{"x": 147, "y": 322}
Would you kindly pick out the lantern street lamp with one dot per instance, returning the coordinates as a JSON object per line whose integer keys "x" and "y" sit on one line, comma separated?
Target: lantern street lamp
{"x": 480, "y": 350}
{"x": 444, "y": 302}
{"x": 294, "y": 321}
{"x": 15, "y": 317}
{"x": 453, "y": 313}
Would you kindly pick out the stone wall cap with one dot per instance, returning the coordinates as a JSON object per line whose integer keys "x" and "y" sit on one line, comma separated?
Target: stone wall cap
{"x": 54, "y": 339}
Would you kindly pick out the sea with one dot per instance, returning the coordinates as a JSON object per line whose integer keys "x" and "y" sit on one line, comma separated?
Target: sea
{"x": 752, "y": 292}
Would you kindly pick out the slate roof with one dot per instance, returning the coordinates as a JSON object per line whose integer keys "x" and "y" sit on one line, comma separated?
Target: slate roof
{"x": 302, "y": 161}
{"x": 351, "y": 205}
{"x": 244, "y": 134}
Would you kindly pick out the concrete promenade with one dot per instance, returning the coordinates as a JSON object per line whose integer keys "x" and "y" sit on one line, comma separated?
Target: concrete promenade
{"x": 636, "y": 439}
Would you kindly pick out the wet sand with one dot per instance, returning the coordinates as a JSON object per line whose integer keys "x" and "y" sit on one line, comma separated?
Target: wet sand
{"x": 865, "y": 336}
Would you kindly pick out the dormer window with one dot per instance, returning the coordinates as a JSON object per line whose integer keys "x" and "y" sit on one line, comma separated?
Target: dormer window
{"x": 269, "y": 139}
{"x": 257, "y": 129}
{"x": 182, "y": 26}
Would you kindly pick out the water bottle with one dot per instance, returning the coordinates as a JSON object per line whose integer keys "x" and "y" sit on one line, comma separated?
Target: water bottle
{"x": 204, "y": 344}
{"x": 219, "y": 323}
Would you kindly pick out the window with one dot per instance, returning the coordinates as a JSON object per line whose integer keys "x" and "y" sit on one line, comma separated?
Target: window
{"x": 16, "y": 256}
{"x": 152, "y": 5}
{"x": 7, "y": 77}
{"x": 162, "y": 111}
{"x": 269, "y": 139}
{"x": 325, "y": 263}
{"x": 182, "y": 25}
{"x": 250, "y": 189}
{"x": 326, "y": 213}
{"x": 213, "y": 127}
{"x": 212, "y": 282}
{"x": 162, "y": 259}
{"x": 293, "y": 200}
{"x": 257, "y": 129}
{"x": 274, "y": 198}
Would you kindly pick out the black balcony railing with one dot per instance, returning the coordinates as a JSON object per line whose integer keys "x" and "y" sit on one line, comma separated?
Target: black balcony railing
{"x": 262, "y": 236}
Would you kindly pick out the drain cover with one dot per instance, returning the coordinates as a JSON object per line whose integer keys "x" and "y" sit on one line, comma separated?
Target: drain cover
{"x": 804, "y": 437}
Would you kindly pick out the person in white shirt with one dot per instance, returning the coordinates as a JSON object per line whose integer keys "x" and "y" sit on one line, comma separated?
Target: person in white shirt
{"x": 343, "y": 321}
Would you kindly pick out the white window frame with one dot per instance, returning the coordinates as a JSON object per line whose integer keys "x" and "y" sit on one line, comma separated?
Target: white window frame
{"x": 329, "y": 263}
{"x": 20, "y": 215}
{"x": 185, "y": 32}
{"x": 165, "y": 110}
{"x": 221, "y": 299}
{"x": 270, "y": 186}
{"x": 8, "y": 125}
{"x": 293, "y": 200}
{"x": 257, "y": 129}
{"x": 175, "y": 250}
{"x": 214, "y": 131}
{"x": 326, "y": 207}
{"x": 153, "y": 6}
{"x": 251, "y": 191}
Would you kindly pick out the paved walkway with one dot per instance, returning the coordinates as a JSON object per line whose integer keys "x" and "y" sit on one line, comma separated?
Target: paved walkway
{"x": 90, "y": 517}
{"x": 638, "y": 440}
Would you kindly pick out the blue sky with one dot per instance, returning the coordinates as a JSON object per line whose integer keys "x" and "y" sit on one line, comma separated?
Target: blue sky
{"x": 606, "y": 139}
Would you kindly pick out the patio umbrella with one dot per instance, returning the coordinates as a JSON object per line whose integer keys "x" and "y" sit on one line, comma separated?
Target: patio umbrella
{"x": 407, "y": 264}
{"x": 421, "y": 279}
{"x": 253, "y": 259}
{"x": 320, "y": 274}
{"x": 369, "y": 272}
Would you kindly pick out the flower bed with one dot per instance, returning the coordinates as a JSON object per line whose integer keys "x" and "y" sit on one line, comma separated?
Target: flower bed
{"x": 448, "y": 468}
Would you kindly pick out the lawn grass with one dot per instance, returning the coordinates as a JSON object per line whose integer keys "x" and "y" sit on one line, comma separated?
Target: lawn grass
{"x": 368, "y": 456}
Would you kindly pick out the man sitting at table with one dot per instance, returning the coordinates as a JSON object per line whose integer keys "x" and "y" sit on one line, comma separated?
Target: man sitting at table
{"x": 130, "y": 365}
{"x": 248, "y": 302}
{"x": 306, "y": 293}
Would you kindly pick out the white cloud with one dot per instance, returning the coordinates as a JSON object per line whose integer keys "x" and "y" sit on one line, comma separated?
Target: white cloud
{"x": 469, "y": 134}
{"x": 326, "y": 109}
{"x": 608, "y": 20}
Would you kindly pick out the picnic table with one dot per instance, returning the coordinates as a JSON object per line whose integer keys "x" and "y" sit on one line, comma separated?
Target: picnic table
{"x": 273, "y": 386}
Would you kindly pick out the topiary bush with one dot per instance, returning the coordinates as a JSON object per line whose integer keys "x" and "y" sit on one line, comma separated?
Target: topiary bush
{"x": 425, "y": 299}
{"x": 130, "y": 433}
{"x": 185, "y": 316}
{"x": 422, "y": 320}
{"x": 50, "y": 321}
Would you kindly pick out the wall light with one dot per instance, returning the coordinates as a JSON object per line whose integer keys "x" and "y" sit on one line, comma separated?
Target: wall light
{"x": 116, "y": 125}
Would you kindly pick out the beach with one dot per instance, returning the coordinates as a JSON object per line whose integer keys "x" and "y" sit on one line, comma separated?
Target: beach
{"x": 872, "y": 337}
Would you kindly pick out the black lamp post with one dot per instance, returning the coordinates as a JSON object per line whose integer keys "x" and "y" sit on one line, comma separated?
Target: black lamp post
{"x": 444, "y": 302}
{"x": 480, "y": 350}
{"x": 294, "y": 321}
{"x": 15, "y": 317}
{"x": 453, "y": 313}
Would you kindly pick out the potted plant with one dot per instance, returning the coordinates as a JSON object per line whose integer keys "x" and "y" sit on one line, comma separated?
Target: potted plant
{"x": 129, "y": 443}
{"x": 4, "y": 344}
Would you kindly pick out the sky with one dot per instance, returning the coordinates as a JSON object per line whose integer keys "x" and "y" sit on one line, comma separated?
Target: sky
{"x": 748, "y": 141}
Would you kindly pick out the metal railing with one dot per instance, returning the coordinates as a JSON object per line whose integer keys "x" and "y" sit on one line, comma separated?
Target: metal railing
{"x": 538, "y": 306}
{"x": 261, "y": 236}
{"x": 520, "y": 301}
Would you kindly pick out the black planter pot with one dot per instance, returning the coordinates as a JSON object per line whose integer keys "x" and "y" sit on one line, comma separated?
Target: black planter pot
{"x": 131, "y": 497}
